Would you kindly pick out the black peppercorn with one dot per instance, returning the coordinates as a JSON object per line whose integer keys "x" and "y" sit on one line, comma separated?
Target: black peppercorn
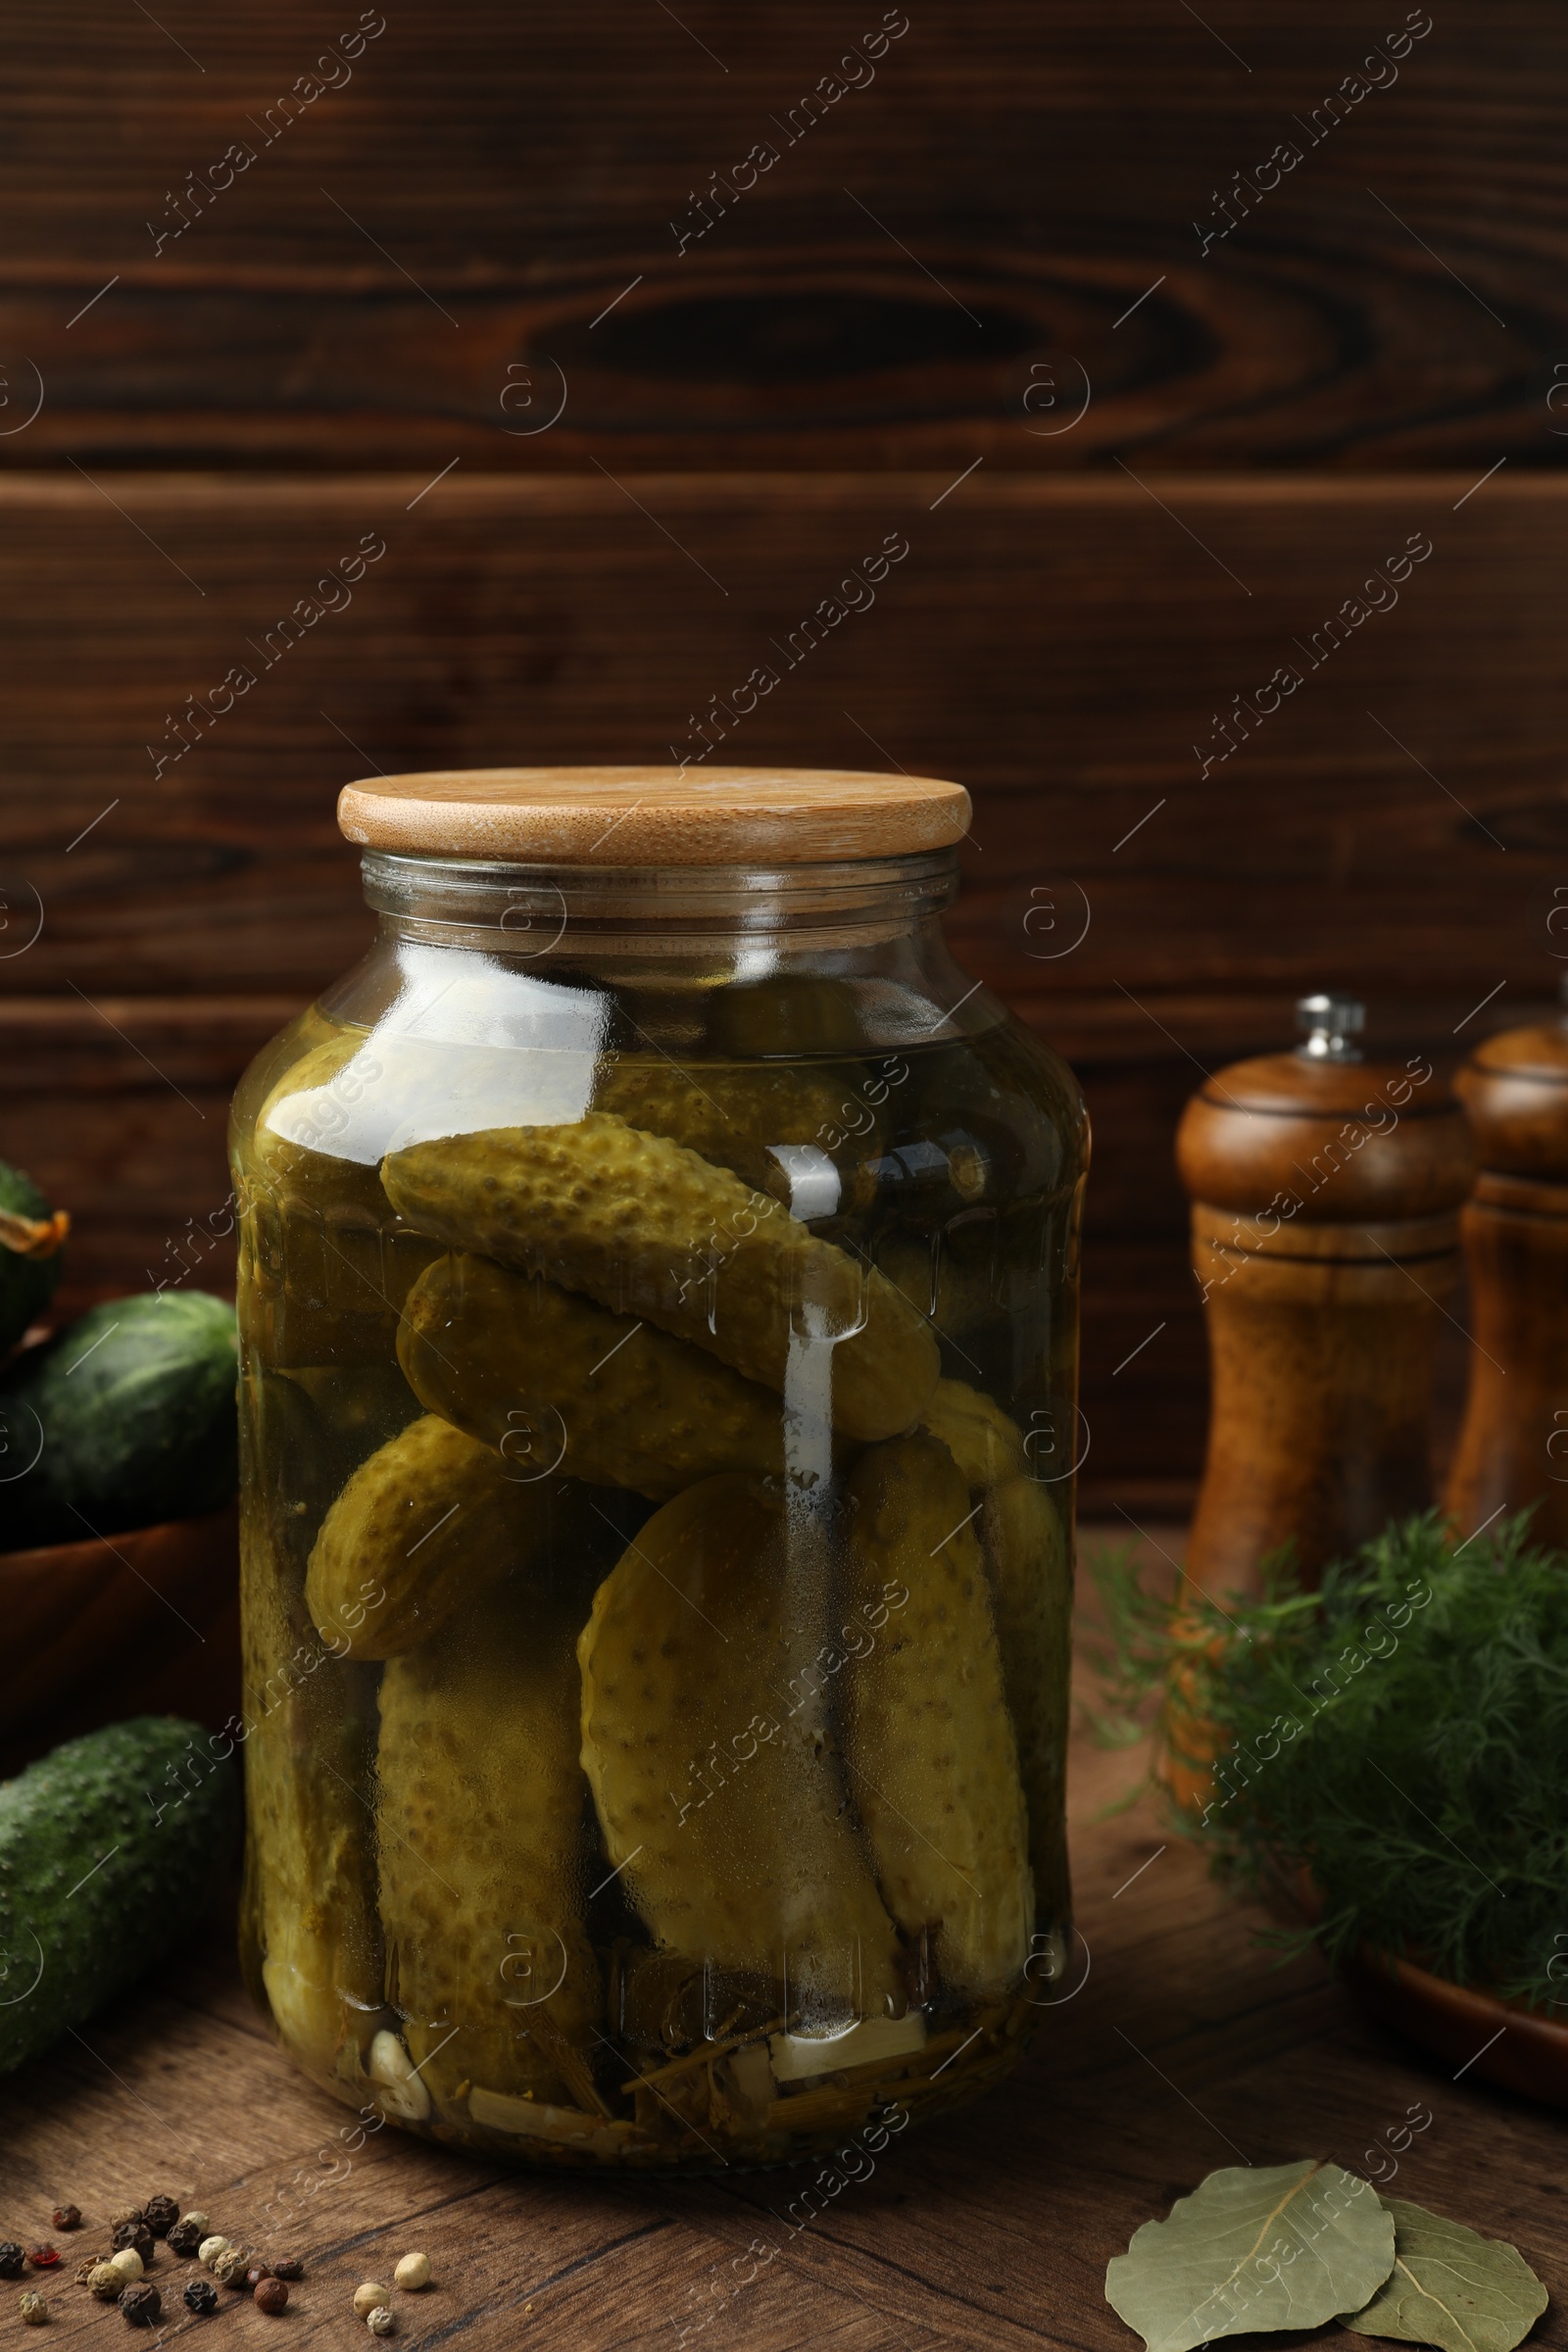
{"x": 288, "y": 2266}
{"x": 201, "y": 2297}
{"x": 184, "y": 2237}
{"x": 134, "y": 2233}
{"x": 11, "y": 2259}
{"x": 141, "y": 2305}
{"x": 158, "y": 2213}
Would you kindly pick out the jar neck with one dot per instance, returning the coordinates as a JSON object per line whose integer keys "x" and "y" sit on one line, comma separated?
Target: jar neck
{"x": 575, "y": 914}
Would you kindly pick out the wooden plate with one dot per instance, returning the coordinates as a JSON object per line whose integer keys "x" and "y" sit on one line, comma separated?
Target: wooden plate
{"x": 1477, "y": 2035}
{"x": 142, "y": 1624}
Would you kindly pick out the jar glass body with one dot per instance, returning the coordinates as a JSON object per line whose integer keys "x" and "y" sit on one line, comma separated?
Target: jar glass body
{"x": 659, "y": 1314}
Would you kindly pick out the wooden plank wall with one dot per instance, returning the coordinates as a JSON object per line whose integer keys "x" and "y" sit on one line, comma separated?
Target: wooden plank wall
{"x": 983, "y": 295}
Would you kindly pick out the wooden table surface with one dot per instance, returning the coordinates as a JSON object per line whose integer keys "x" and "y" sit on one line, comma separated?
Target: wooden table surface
{"x": 1185, "y": 2047}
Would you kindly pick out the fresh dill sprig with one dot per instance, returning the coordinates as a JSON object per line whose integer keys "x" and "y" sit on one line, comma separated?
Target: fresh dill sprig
{"x": 1401, "y": 1737}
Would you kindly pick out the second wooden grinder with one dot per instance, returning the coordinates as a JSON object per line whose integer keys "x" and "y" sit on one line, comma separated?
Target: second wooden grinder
{"x": 1513, "y": 1449}
{"x": 1325, "y": 1192}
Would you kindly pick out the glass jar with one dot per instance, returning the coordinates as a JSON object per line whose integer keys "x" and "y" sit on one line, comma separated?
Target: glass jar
{"x": 657, "y": 1293}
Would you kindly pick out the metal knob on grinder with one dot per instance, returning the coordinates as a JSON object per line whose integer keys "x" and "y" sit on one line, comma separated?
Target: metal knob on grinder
{"x": 1330, "y": 1027}
{"x": 1325, "y": 1192}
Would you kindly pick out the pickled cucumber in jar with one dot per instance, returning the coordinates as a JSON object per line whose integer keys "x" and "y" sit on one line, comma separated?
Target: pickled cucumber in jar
{"x": 312, "y": 1936}
{"x": 929, "y": 1742}
{"x": 700, "y": 1648}
{"x": 544, "y": 1375}
{"x": 647, "y": 1227}
{"x": 484, "y": 1860}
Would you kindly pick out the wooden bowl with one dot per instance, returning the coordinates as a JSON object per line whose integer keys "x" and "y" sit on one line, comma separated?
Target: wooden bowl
{"x": 140, "y": 1623}
{"x": 1478, "y": 2035}
{"x": 1483, "y": 2037}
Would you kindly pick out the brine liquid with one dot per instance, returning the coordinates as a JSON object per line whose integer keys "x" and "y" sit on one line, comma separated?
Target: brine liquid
{"x": 602, "y": 1863}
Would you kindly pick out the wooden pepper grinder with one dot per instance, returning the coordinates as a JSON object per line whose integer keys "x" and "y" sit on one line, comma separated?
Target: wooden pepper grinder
{"x": 1513, "y": 1446}
{"x": 1325, "y": 1240}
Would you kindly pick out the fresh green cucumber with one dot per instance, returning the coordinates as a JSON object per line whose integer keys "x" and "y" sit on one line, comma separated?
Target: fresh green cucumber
{"x": 26, "y": 1284}
{"x": 108, "y": 1849}
{"x": 131, "y": 1413}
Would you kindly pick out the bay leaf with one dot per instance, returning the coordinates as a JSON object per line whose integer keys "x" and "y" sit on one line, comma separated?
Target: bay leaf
{"x": 1285, "y": 2245}
{"x": 1452, "y": 2287}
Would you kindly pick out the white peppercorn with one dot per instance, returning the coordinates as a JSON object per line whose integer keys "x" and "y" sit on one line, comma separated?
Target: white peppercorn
{"x": 412, "y": 2272}
{"x": 210, "y": 2249}
{"x": 129, "y": 2264}
{"x": 382, "y": 2320}
{"x": 370, "y": 2297}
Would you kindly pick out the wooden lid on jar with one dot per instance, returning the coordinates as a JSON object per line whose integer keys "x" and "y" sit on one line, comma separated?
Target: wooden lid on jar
{"x": 654, "y": 815}
{"x": 1322, "y": 1137}
{"x": 1514, "y": 1089}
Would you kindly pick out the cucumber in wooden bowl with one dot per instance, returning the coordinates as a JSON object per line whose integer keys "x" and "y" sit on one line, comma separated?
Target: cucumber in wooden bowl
{"x": 30, "y": 1236}
{"x": 123, "y": 1419}
{"x": 108, "y": 1850}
